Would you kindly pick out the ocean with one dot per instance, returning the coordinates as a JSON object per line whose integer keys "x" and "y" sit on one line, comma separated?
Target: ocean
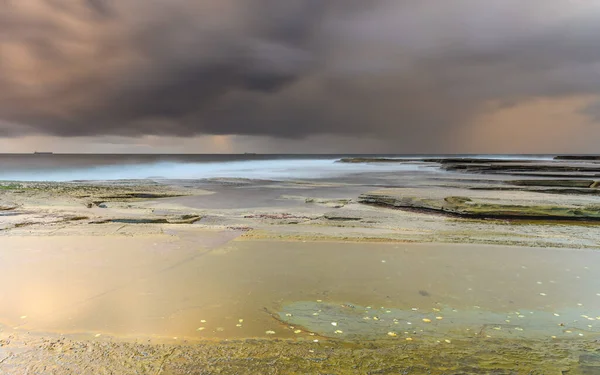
{"x": 108, "y": 167}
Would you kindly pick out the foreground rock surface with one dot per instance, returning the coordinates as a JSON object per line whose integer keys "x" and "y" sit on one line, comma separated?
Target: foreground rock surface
{"x": 49, "y": 356}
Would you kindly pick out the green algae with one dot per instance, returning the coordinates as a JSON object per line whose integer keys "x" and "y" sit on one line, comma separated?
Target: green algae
{"x": 10, "y": 186}
{"x": 347, "y": 321}
{"x": 485, "y": 356}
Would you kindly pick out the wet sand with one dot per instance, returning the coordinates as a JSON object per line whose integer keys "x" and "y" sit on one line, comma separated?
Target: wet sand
{"x": 168, "y": 288}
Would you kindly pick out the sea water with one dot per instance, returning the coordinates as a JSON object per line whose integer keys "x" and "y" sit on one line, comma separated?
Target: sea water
{"x": 103, "y": 167}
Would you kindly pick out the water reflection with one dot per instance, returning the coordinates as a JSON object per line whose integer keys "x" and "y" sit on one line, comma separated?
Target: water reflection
{"x": 165, "y": 287}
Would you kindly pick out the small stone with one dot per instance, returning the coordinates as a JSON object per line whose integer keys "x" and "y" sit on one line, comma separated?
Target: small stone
{"x": 200, "y": 329}
{"x": 298, "y": 331}
{"x": 203, "y": 321}
{"x": 392, "y": 334}
{"x": 241, "y": 320}
{"x": 97, "y": 335}
{"x": 270, "y": 332}
{"x": 447, "y": 341}
{"x": 439, "y": 317}
{"x": 338, "y": 331}
{"x": 542, "y": 294}
{"x": 408, "y": 339}
{"x": 288, "y": 314}
{"x": 426, "y": 320}
{"x": 334, "y": 324}
{"x": 315, "y": 340}
{"x": 238, "y": 325}
{"x": 555, "y": 314}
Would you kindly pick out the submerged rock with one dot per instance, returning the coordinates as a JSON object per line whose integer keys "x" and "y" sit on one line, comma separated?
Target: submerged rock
{"x": 364, "y": 323}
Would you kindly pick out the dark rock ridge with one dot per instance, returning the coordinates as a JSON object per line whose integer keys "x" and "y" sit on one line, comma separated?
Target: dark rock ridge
{"x": 577, "y": 157}
{"x": 538, "y": 189}
{"x": 559, "y": 168}
{"x": 347, "y": 216}
{"x": 431, "y": 160}
{"x": 509, "y": 168}
{"x": 554, "y": 183}
{"x": 371, "y": 160}
{"x": 184, "y": 219}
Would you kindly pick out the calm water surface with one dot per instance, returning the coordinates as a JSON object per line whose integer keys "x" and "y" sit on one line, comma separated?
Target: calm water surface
{"x": 206, "y": 287}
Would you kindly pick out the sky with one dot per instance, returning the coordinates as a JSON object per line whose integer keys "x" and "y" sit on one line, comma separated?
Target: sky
{"x": 300, "y": 76}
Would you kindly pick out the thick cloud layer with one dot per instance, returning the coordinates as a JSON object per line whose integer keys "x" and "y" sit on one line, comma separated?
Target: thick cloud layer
{"x": 416, "y": 70}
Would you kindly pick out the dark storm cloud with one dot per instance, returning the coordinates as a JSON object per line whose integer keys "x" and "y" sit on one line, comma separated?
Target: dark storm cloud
{"x": 413, "y": 70}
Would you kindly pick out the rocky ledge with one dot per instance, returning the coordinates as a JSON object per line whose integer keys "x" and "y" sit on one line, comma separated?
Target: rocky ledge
{"x": 484, "y": 206}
